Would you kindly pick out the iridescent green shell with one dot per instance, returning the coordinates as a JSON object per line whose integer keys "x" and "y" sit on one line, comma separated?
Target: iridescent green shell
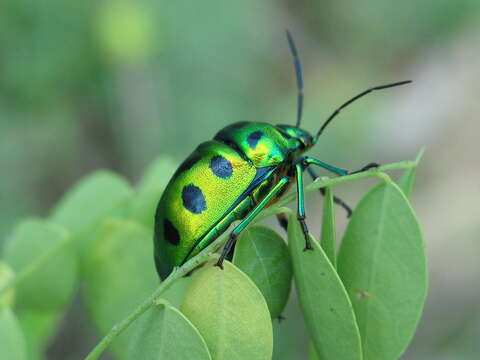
{"x": 261, "y": 143}
{"x": 218, "y": 183}
{"x": 201, "y": 191}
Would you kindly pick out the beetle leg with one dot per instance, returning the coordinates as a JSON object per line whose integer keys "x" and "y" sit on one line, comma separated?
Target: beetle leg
{"x": 226, "y": 249}
{"x": 369, "y": 166}
{"x": 283, "y": 221}
{"x": 336, "y": 199}
{"x": 309, "y": 161}
{"x": 301, "y": 205}
{"x": 243, "y": 224}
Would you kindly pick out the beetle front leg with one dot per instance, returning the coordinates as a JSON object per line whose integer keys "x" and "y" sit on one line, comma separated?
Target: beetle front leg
{"x": 248, "y": 219}
{"x": 301, "y": 205}
{"x": 336, "y": 199}
{"x": 369, "y": 166}
{"x": 311, "y": 161}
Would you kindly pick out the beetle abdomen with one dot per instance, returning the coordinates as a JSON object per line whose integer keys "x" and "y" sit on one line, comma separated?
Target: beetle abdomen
{"x": 201, "y": 191}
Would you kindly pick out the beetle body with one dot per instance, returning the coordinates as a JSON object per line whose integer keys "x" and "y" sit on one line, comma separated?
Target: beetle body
{"x": 220, "y": 182}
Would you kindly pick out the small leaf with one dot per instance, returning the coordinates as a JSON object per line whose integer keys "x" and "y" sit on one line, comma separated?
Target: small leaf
{"x": 39, "y": 329}
{"x": 12, "y": 342}
{"x": 263, "y": 255}
{"x": 405, "y": 183}
{"x": 382, "y": 264}
{"x": 329, "y": 235}
{"x": 149, "y": 191}
{"x": 408, "y": 177}
{"x": 42, "y": 256}
{"x": 165, "y": 333}
{"x": 120, "y": 275}
{"x": 158, "y": 174}
{"x": 6, "y": 275}
{"x": 91, "y": 199}
{"x": 230, "y": 313}
{"x": 325, "y": 304}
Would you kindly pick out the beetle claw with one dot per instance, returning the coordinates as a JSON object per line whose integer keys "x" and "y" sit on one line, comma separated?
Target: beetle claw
{"x": 219, "y": 264}
{"x": 308, "y": 245}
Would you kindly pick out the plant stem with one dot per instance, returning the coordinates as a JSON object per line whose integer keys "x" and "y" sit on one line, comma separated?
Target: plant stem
{"x": 177, "y": 273}
{"x": 206, "y": 254}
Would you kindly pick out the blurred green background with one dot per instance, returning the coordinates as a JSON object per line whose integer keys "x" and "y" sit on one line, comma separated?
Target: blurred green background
{"x": 114, "y": 84}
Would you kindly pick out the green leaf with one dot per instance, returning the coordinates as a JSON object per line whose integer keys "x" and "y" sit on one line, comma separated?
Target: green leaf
{"x": 230, "y": 313}
{"x": 158, "y": 174}
{"x": 382, "y": 264}
{"x": 408, "y": 177}
{"x": 39, "y": 329}
{"x": 42, "y": 256}
{"x": 329, "y": 233}
{"x": 405, "y": 183}
{"x": 325, "y": 304}
{"x": 120, "y": 275}
{"x": 12, "y": 342}
{"x": 176, "y": 292}
{"x": 263, "y": 255}
{"x": 6, "y": 275}
{"x": 165, "y": 333}
{"x": 91, "y": 199}
{"x": 312, "y": 352}
{"x": 149, "y": 191}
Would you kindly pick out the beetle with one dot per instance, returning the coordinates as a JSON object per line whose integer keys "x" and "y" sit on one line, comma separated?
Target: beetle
{"x": 246, "y": 167}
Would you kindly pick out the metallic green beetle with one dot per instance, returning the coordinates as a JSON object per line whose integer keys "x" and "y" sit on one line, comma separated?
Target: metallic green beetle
{"x": 245, "y": 168}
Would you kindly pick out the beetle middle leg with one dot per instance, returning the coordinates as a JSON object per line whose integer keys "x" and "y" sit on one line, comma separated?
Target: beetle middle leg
{"x": 299, "y": 167}
{"x": 248, "y": 219}
{"x": 283, "y": 221}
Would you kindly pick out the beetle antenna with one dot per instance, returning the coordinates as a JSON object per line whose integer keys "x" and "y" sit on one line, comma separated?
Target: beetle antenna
{"x": 298, "y": 75}
{"x": 356, "y": 97}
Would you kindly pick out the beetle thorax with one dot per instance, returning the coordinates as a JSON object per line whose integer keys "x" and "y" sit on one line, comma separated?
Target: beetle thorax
{"x": 261, "y": 143}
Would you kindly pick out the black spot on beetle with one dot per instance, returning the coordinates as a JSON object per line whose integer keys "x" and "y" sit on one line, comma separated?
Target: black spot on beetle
{"x": 253, "y": 138}
{"x": 193, "y": 199}
{"x": 170, "y": 232}
{"x": 187, "y": 164}
{"x": 221, "y": 167}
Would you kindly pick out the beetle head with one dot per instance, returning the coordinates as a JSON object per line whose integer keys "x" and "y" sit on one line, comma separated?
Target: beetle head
{"x": 304, "y": 139}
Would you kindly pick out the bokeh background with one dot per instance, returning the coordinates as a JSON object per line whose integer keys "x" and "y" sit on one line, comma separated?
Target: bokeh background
{"x": 115, "y": 84}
